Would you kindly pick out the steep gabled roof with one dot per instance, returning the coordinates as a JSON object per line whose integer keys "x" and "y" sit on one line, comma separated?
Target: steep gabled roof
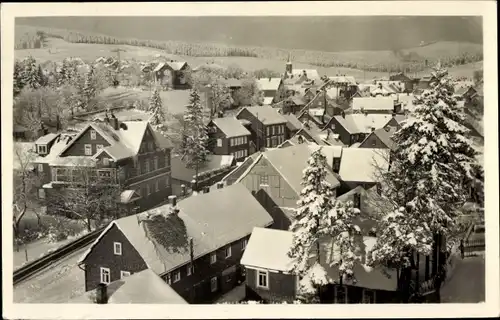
{"x": 212, "y": 220}
{"x": 363, "y": 164}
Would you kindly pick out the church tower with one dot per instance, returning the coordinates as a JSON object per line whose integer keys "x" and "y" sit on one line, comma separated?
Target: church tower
{"x": 289, "y": 65}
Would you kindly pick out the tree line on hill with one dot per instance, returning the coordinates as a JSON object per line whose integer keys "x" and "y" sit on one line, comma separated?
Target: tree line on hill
{"x": 324, "y": 59}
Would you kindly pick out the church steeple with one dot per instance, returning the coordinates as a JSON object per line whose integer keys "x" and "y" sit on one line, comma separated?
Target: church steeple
{"x": 289, "y": 64}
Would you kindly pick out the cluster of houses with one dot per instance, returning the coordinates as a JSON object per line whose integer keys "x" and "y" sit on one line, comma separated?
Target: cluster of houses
{"x": 179, "y": 242}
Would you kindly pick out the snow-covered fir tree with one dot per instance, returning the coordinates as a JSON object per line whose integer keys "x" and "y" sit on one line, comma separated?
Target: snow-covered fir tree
{"x": 346, "y": 238}
{"x": 194, "y": 135}
{"x": 29, "y": 73}
{"x": 156, "y": 109}
{"x": 432, "y": 164}
{"x": 89, "y": 89}
{"x": 309, "y": 219}
{"x": 17, "y": 81}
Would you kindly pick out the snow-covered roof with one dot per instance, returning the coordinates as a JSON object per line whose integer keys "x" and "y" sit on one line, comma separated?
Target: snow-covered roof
{"x": 128, "y": 195}
{"x": 291, "y": 161}
{"x": 407, "y": 101}
{"x": 310, "y": 73}
{"x": 181, "y": 172}
{"x": 265, "y": 114}
{"x": 46, "y": 139}
{"x": 275, "y": 257}
{"x": 141, "y": 287}
{"x": 231, "y": 127}
{"x": 363, "y": 123}
{"x": 363, "y": 164}
{"x": 385, "y": 135}
{"x": 212, "y": 220}
{"x": 316, "y": 112}
{"x": 268, "y": 84}
{"x": 343, "y": 79}
{"x": 268, "y": 101}
{"x": 372, "y": 104}
{"x": 260, "y": 254}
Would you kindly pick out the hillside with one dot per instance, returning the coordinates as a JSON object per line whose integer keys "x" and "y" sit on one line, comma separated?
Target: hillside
{"x": 414, "y": 59}
{"x": 58, "y": 49}
{"x": 318, "y": 33}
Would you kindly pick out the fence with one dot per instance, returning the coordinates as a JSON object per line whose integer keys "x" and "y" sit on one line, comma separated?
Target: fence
{"x": 35, "y": 266}
{"x": 473, "y": 247}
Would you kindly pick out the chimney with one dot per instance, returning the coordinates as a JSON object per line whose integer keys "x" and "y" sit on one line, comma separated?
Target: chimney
{"x": 206, "y": 189}
{"x": 183, "y": 189}
{"x": 343, "y": 114}
{"x": 220, "y": 185}
{"x": 172, "y": 200}
{"x": 373, "y": 128}
{"x": 393, "y": 114}
{"x": 102, "y": 293}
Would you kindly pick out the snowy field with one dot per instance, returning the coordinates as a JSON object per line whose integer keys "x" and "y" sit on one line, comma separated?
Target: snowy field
{"x": 57, "y": 284}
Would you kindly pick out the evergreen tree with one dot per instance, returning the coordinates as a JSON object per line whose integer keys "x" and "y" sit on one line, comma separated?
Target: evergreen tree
{"x": 18, "y": 81}
{"x": 431, "y": 167}
{"x": 309, "y": 220}
{"x": 29, "y": 73}
{"x": 41, "y": 75}
{"x": 89, "y": 90}
{"x": 346, "y": 238}
{"x": 156, "y": 108}
{"x": 195, "y": 137}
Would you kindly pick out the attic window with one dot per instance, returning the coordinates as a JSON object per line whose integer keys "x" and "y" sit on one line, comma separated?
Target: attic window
{"x": 93, "y": 135}
{"x": 117, "y": 246}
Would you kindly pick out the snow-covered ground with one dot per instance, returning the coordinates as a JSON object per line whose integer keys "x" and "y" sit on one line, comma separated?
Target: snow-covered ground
{"x": 467, "y": 284}
{"x": 57, "y": 284}
{"x": 35, "y": 250}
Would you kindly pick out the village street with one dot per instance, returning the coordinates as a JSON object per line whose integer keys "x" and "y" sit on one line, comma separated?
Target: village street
{"x": 456, "y": 290}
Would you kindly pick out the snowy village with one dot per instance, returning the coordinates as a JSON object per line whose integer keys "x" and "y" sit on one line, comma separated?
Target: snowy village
{"x": 170, "y": 172}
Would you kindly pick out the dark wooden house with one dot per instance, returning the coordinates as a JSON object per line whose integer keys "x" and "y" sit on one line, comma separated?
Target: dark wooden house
{"x": 173, "y": 74}
{"x": 228, "y": 136}
{"x": 195, "y": 245}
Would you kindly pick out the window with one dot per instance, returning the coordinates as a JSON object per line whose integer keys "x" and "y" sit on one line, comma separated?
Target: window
{"x": 264, "y": 180}
{"x": 340, "y": 294}
{"x": 244, "y": 244}
{"x": 167, "y": 181}
{"x": 105, "y": 275}
{"x": 99, "y": 146}
{"x": 167, "y": 159}
{"x": 42, "y": 149}
{"x": 177, "y": 276}
{"x": 40, "y": 167}
{"x": 268, "y": 142}
{"x": 368, "y": 296}
{"x": 105, "y": 161}
{"x": 213, "y": 284}
{"x": 148, "y": 189}
{"x": 88, "y": 149}
{"x": 117, "y": 246}
{"x": 273, "y": 130}
{"x": 262, "y": 281}
{"x": 103, "y": 174}
{"x": 245, "y": 152}
{"x": 146, "y": 163}
{"x": 228, "y": 251}
{"x": 93, "y": 135}
{"x": 213, "y": 258}
{"x": 268, "y": 131}
{"x": 190, "y": 269}
{"x": 169, "y": 278}
{"x": 124, "y": 274}
{"x": 138, "y": 168}
{"x": 155, "y": 163}
{"x": 219, "y": 142}
{"x": 157, "y": 185}
{"x": 41, "y": 193}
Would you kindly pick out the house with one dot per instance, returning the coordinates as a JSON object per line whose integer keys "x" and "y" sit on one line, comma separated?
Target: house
{"x": 270, "y": 276}
{"x": 228, "y": 136}
{"x": 271, "y": 88}
{"x": 127, "y": 154}
{"x": 239, "y": 170}
{"x": 345, "y": 86}
{"x": 353, "y": 128}
{"x": 275, "y": 178}
{"x": 390, "y": 86}
{"x": 44, "y": 143}
{"x": 424, "y": 82}
{"x": 266, "y": 124}
{"x": 20, "y": 132}
{"x": 293, "y": 104}
{"x": 380, "y": 139}
{"x": 299, "y": 76}
{"x": 195, "y": 245}
{"x": 233, "y": 84}
{"x": 210, "y": 171}
{"x": 311, "y": 132}
{"x": 172, "y": 74}
{"x": 408, "y": 82}
{"x": 379, "y": 105}
{"x": 293, "y": 125}
{"x": 361, "y": 167}
{"x": 142, "y": 287}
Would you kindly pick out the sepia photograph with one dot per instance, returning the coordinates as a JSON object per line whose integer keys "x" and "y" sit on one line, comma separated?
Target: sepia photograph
{"x": 248, "y": 159}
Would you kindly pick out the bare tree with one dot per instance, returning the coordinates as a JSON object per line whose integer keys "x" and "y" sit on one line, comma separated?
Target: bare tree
{"x": 26, "y": 182}
{"x": 89, "y": 194}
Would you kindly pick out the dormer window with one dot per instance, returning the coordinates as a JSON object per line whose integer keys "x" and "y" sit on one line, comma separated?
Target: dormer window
{"x": 42, "y": 149}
